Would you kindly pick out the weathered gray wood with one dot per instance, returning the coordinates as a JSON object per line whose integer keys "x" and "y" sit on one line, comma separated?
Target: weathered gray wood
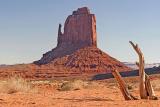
{"x": 146, "y": 88}
{"x": 123, "y": 86}
{"x": 143, "y": 93}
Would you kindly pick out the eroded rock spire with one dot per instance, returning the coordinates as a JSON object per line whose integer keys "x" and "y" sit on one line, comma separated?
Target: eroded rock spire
{"x": 79, "y": 32}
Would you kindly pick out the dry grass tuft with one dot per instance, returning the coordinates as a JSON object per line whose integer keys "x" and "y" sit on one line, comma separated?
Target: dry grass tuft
{"x": 130, "y": 87}
{"x": 16, "y": 84}
{"x": 73, "y": 85}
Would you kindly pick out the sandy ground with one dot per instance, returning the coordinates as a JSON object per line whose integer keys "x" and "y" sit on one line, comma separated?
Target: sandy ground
{"x": 98, "y": 94}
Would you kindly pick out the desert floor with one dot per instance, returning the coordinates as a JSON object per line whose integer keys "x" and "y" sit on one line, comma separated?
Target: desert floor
{"x": 102, "y": 93}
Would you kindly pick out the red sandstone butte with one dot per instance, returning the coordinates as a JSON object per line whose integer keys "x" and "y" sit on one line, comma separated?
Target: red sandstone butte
{"x": 79, "y": 32}
{"x": 76, "y": 50}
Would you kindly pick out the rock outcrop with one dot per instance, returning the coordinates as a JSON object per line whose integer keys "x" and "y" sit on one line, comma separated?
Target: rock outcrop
{"x": 79, "y": 29}
{"x": 88, "y": 60}
{"x": 79, "y": 32}
{"x": 77, "y": 50}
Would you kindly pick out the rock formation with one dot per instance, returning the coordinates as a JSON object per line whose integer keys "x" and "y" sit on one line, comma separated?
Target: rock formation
{"x": 76, "y": 49}
{"x": 79, "y": 32}
{"x": 79, "y": 29}
{"x": 88, "y": 60}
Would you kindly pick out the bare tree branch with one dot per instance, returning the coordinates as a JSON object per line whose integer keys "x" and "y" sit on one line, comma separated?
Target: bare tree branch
{"x": 146, "y": 88}
{"x": 123, "y": 86}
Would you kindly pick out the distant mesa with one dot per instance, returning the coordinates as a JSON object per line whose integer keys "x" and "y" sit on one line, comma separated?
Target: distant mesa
{"x": 76, "y": 49}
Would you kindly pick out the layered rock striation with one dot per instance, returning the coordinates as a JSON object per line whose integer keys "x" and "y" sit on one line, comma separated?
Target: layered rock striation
{"x": 79, "y": 32}
{"x": 79, "y": 29}
{"x": 89, "y": 60}
{"x": 76, "y": 49}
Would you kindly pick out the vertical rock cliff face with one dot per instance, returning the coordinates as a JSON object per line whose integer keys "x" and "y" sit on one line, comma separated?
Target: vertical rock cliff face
{"x": 77, "y": 50}
{"x": 79, "y": 32}
{"x": 79, "y": 29}
{"x": 75, "y": 55}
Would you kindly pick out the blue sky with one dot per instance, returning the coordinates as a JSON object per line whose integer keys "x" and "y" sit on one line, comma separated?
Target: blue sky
{"x": 28, "y": 28}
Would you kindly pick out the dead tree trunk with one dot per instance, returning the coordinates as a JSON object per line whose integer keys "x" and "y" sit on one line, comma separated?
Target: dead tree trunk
{"x": 149, "y": 88}
{"x": 123, "y": 86}
{"x": 146, "y": 88}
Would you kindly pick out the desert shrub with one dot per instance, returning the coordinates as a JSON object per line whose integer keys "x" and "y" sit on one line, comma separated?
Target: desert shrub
{"x": 15, "y": 84}
{"x": 73, "y": 85}
{"x": 92, "y": 85}
{"x": 130, "y": 87}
